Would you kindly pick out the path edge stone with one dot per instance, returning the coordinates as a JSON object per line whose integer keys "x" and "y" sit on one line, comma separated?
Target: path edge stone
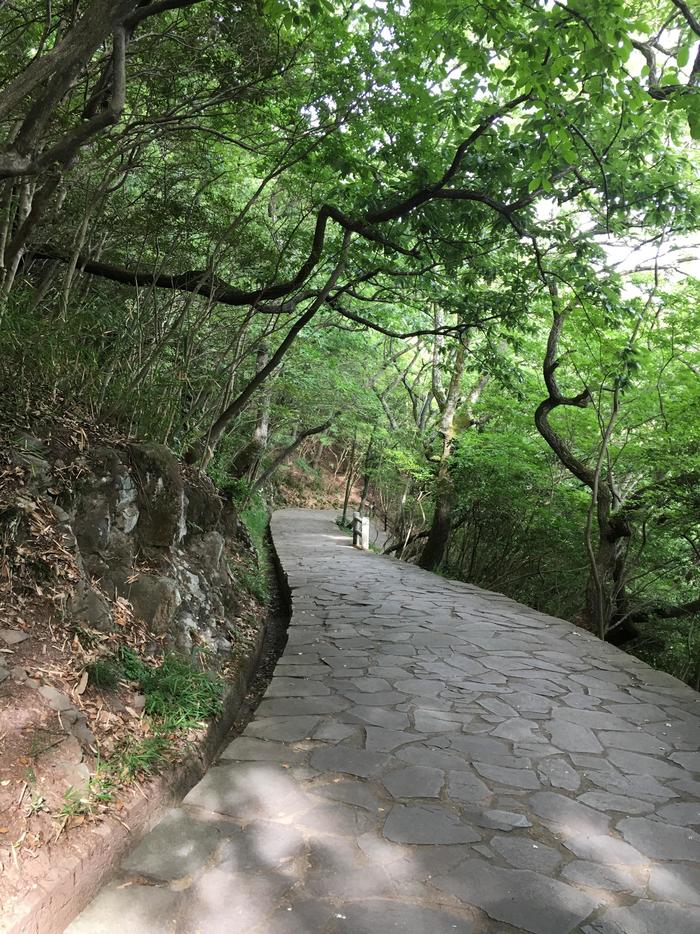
{"x": 87, "y": 863}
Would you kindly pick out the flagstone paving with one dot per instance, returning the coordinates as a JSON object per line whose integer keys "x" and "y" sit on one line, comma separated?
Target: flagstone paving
{"x": 430, "y": 758}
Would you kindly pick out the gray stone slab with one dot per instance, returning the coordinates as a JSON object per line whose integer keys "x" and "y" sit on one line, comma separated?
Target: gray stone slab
{"x": 604, "y": 801}
{"x": 615, "y": 878}
{"x": 358, "y": 793}
{"x": 13, "y": 636}
{"x": 466, "y": 788}
{"x": 252, "y": 749}
{"x": 178, "y": 846}
{"x": 675, "y": 883}
{"x": 380, "y": 916}
{"x": 683, "y": 814}
{"x": 525, "y": 853}
{"x": 426, "y": 824}
{"x": 376, "y": 716}
{"x": 380, "y": 740}
{"x": 639, "y": 764}
{"x": 636, "y": 786}
{"x": 517, "y": 778}
{"x": 138, "y": 909}
{"x": 282, "y": 729}
{"x": 527, "y": 900}
{"x": 248, "y": 790}
{"x": 332, "y": 732}
{"x": 349, "y": 760}
{"x": 573, "y": 738}
{"x": 301, "y": 706}
{"x": 659, "y": 840}
{"x": 636, "y": 741}
{"x": 559, "y": 774}
{"x": 603, "y": 848}
{"x": 646, "y": 917}
{"x": 416, "y": 781}
{"x": 567, "y": 816}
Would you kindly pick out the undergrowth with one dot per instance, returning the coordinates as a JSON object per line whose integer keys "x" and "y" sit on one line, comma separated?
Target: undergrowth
{"x": 178, "y": 697}
{"x": 256, "y": 518}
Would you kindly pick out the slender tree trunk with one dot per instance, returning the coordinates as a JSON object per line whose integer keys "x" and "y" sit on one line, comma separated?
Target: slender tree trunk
{"x": 433, "y": 552}
{"x": 287, "y": 452}
{"x": 348, "y": 482}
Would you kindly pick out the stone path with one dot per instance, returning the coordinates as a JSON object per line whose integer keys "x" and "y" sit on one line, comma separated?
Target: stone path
{"x": 430, "y": 758}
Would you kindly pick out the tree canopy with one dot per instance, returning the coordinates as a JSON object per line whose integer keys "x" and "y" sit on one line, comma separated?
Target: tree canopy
{"x": 451, "y": 242}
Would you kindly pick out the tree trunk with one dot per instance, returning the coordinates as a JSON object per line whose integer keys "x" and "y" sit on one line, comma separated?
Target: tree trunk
{"x": 247, "y": 461}
{"x": 434, "y": 551}
{"x": 441, "y": 526}
{"x": 348, "y": 482}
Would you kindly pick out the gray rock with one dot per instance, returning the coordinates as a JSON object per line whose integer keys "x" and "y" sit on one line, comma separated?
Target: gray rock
{"x": 468, "y": 789}
{"x": 155, "y": 600}
{"x": 301, "y": 706}
{"x": 634, "y": 742}
{"x": 161, "y": 495}
{"x": 688, "y": 760}
{"x": 249, "y": 790}
{"x": 497, "y": 819}
{"x": 636, "y": 786}
{"x": 88, "y": 606}
{"x": 335, "y": 732}
{"x": 13, "y": 636}
{"x": 56, "y": 699}
{"x": 129, "y": 909}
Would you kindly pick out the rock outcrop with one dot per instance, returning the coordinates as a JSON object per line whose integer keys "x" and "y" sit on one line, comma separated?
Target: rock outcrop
{"x": 144, "y": 533}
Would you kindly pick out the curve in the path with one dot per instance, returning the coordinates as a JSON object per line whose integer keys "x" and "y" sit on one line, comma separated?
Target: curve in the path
{"x": 430, "y": 758}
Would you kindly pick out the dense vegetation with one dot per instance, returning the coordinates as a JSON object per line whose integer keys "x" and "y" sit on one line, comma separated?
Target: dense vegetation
{"x": 450, "y": 241}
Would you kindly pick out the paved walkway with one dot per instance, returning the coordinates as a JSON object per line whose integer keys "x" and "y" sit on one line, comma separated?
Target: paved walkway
{"x": 430, "y": 758}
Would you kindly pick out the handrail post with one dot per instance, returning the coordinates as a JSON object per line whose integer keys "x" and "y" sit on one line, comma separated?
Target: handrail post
{"x": 360, "y": 531}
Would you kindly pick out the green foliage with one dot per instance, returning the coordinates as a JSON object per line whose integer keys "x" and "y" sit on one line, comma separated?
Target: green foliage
{"x": 256, "y": 519}
{"x": 494, "y": 159}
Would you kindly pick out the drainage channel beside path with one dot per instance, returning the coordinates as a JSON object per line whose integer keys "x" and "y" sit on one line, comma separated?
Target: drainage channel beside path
{"x": 429, "y": 758}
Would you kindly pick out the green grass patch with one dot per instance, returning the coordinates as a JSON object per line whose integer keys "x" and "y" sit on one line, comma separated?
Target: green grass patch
{"x": 177, "y": 694}
{"x": 104, "y": 673}
{"x": 256, "y": 519}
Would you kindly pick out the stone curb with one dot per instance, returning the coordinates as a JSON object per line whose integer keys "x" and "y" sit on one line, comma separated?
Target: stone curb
{"x": 86, "y": 864}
